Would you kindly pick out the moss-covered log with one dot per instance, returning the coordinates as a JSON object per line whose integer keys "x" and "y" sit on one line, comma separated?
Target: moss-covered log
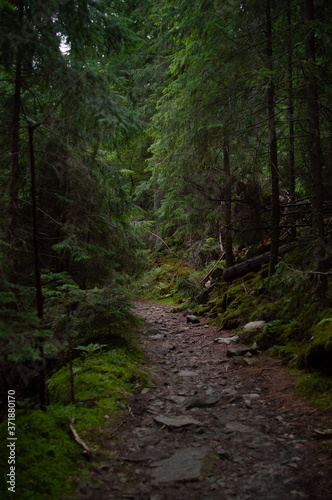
{"x": 254, "y": 264}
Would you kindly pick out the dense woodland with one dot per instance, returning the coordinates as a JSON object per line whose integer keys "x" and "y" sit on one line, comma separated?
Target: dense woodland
{"x": 133, "y": 132}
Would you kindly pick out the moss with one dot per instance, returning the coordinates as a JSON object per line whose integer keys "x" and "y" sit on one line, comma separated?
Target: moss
{"x": 289, "y": 353}
{"x": 46, "y": 455}
{"x": 112, "y": 374}
{"x": 48, "y": 458}
{"x": 315, "y": 387}
{"x": 318, "y": 354}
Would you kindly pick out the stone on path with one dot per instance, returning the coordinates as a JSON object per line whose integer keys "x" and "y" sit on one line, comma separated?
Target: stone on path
{"x": 240, "y": 351}
{"x": 226, "y": 340}
{"x": 254, "y": 325}
{"x": 202, "y": 401}
{"x": 188, "y": 464}
{"x": 192, "y": 319}
{"x": 176, "y": 422}
{"x": 187, "y": 373}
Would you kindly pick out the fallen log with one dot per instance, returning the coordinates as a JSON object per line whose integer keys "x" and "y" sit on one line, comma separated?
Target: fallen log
{"x": 86, "y": 451}
{"x": 254, "y": 264}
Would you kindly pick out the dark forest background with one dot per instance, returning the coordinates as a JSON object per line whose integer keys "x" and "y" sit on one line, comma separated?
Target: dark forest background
{"x": 143, "y": 141}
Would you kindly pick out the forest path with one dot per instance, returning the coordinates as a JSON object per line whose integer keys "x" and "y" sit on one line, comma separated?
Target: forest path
{"x": 209, "y": 427}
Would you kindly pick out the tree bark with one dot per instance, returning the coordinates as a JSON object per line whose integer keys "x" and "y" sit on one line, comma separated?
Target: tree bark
{"x": 254, "y": 264}
{"x": 291, "y": 119}
{"x": 228, "y": 246}
{"x": 158, "y": 196}
{"x": 39, "y": 293}
{"x": 14, "y": 181}
{"x": 315, "y": 148}
{"x": 275, "y": 229}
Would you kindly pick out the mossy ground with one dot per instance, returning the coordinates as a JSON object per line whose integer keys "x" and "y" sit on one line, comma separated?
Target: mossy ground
{"x": 315, "y": 387}
{"x": 169, "y": 280}
{"x": 47, "y": 457}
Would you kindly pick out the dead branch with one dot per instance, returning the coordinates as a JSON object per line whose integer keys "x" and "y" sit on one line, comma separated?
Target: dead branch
{"x": 211, "y": 270}
{"x": 156, "y": 236}
{"x": 86, "y": 450}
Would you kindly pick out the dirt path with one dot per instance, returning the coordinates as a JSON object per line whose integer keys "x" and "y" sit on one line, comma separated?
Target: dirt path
{"x": 209, "y": 428}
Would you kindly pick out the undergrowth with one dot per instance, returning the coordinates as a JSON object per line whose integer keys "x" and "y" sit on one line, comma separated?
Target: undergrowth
{"x": 47, "y": 457}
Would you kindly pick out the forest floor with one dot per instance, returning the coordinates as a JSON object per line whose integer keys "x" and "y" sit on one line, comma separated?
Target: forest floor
{"x": 210, "y": 426}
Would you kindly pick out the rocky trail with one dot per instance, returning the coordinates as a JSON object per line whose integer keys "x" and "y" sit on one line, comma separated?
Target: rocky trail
{"x": 212, "y": 426}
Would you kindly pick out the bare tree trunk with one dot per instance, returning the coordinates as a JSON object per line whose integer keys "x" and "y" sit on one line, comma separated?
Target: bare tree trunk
{"x": 275, "y": 230}
{"x": 291, "y": 120}
{"x": 158, "y": 196}
{"x": 15, "y": 160}
{"x": 39, "y": 293}
{"x": 228, "y": 208}
{"x": 315, "y": 148}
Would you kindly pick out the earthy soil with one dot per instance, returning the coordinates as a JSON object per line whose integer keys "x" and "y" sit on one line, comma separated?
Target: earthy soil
{"x": 211, "y": 426}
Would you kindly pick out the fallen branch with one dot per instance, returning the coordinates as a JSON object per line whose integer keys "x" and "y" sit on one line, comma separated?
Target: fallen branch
{"x": 156, "y": 236}
{"x": 254, "y": 264}
{"x": 116, "y": 429}
{"x": 211, "y": 270}
{"x": 86, "y": 451}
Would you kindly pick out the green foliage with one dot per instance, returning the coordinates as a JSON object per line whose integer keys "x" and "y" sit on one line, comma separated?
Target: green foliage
{"x": 316, "y": 387}
{"x": 90, "y": 349}
{"x": 168, "y": 278}
{"x": 20, "y": 330}
{"x": 46, "y": 455}
{"x": 77, "y": 315}
{"x": 48, "y": 458}
{"x": 99, "y": 379}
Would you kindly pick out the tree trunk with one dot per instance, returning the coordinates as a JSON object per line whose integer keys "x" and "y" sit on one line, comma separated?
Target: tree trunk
{"x": 39, "y": 293}
{"x": 158, "y": 196}
{"x": 15, "y": 160}
{"x": 254, "y": 264}
{"x": 275, "y": 228}
{"x": 228, "y": 246}
{"x": 315, "y": 148}
{"x": 291, "y": 120}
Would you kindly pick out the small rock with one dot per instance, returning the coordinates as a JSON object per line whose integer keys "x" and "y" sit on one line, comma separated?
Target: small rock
{"x": 176, "y": 422}
{"x": 248, "y": 361}
{"x": 201, "y": 402}
{"x": 254, "y": 325}
{"x": 192, "y": 319}
{"x": 187, "y": 373}
{"x": 226, "y": 340}
{"x": 240, "y": 351}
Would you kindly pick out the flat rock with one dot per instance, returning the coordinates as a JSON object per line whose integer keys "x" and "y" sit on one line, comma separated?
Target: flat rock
{"x": 226, "y": 340}
{"x": 188, "y": 464}
{"x": 151, "y": 331}
{"x": 202, "y": 401}
{"x": 254, "y": 325}
{"x": 187, "y": 373}
{"x": 176, "y": 399}
{"x": 176, "y": 422}
{"x": 192, "y": 319}
{"x": 240, "y": 351}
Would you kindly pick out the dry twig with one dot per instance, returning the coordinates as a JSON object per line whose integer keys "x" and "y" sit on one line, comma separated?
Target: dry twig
{"x": 86, "y": 450}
